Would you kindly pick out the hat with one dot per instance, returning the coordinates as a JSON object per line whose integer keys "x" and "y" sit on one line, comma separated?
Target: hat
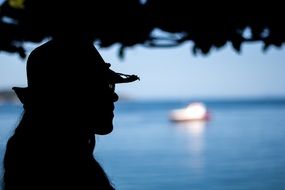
{"x": 120, "y": 77}
{"x": 27, "y": 94}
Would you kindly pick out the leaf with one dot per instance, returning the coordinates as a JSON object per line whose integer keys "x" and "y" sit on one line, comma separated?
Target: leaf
{"x": 17, "y": 4}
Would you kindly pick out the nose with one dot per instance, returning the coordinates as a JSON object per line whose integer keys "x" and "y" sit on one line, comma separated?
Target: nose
{"x": 115, "y": 97}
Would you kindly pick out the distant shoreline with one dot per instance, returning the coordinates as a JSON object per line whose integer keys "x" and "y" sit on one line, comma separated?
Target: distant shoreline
{"x": 9, "y": 96}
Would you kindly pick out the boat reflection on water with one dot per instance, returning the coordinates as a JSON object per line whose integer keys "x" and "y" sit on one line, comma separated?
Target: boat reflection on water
{"x": 193, "y": 133}
{"x": 193, "y": 128}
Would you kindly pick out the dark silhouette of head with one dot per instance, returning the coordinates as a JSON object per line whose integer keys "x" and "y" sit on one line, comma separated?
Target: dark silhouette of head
{"x": 70, "y": 73}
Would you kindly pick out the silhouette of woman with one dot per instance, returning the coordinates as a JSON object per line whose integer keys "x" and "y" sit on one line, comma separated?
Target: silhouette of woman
{"x": 70, "y": 98}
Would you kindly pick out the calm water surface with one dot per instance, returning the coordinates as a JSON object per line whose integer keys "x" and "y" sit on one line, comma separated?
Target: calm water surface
{"x": 240, "y": 148}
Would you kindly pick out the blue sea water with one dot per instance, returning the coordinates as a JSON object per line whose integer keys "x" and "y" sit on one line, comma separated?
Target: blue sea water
{"x": 242, "y": 146}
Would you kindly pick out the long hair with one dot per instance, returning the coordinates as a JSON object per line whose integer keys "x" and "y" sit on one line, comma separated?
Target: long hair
{"x": 35, "y": 157}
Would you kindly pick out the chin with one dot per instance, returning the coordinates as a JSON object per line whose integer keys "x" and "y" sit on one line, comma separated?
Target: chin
{"x": 105, "y": 126}
{"x": 104, "y": 123}
{"x": 104, "y": 130}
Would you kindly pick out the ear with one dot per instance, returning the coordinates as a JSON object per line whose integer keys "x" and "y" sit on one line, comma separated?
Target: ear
{"x": 22, "y": 94}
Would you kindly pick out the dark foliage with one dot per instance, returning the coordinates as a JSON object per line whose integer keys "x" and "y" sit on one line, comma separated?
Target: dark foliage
{"x": 132, "y": 22}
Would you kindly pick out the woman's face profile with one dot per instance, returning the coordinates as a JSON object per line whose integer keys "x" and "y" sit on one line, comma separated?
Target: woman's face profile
{"x": 103, "y": 107}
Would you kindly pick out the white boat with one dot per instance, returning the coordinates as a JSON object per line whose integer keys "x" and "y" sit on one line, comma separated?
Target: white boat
{"x": 192, "y": 112}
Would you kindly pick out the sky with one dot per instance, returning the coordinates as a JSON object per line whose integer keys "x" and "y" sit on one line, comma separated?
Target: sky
{"x": 176, "y": 73}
